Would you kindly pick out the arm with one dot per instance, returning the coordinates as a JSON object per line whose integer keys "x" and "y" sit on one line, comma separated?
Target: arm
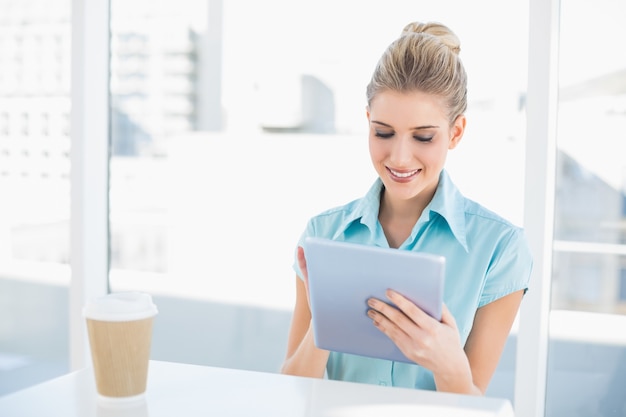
{"x": 303, "y": 358}
{"x": 485, "y": 343}
{"x": 436, "y": 345}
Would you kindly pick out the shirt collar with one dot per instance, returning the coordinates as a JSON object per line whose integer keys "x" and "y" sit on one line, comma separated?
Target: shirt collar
{"x": 447, "y": 202}
{"x": 365, "y": 210}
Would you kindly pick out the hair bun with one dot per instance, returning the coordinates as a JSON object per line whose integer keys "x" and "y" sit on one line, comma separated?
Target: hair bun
{"x": 442, "y": 32}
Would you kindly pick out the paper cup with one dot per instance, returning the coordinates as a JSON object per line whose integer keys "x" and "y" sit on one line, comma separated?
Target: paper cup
{"x": 119, "y": 326}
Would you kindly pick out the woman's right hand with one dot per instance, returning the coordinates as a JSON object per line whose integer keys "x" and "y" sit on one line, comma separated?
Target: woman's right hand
{"x": 305, "y": 273}
{"x": 303, "y": 357}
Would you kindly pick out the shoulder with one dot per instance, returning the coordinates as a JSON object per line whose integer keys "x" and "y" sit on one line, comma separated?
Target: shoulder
{"x": 474, "y": 225}
{"x": 330, "y": 220}
{"x": 491, "y": 233}
{"x": 481, "y": 220}
{"x": 334, "y": 221}
{"x": 477, "y": 212}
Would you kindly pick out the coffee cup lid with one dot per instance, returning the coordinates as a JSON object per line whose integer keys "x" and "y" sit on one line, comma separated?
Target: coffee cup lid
{"x": 120, "y": 306}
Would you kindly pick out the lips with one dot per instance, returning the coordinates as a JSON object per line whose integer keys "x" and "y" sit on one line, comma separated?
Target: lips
{"x": 403, "y": 175}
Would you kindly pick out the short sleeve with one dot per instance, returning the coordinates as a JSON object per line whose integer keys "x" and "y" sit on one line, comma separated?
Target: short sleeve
{"x": 510, "y": 268}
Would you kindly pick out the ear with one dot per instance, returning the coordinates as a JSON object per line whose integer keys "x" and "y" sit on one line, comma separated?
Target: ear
{"x": 367, "y": 112}
{"x": 458, "y": 128}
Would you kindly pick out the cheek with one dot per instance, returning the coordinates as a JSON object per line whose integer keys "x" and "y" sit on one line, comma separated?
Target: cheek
{"x": 376, "y": 149}
{"x": 435, "y": 155}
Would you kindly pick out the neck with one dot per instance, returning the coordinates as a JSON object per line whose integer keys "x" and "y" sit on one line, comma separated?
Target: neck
{"x": 398, "y": 217}
{"x": 405, "y": 211}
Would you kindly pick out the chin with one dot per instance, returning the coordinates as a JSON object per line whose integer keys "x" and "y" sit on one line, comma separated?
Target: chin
{"x": 402, "y": 191}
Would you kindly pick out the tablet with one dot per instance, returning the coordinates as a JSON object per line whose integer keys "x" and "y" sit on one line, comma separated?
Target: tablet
{"x": 343, "y": 276}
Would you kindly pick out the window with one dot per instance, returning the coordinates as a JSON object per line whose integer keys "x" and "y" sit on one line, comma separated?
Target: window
{"x": 34, "y": 213}
{"x": 221, "y": 89}
{"x": 589, "y": 250}
{"x": 216, "y": 117}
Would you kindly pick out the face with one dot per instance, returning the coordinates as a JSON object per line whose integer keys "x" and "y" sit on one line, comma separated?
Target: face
{"x": 409, "y": 139}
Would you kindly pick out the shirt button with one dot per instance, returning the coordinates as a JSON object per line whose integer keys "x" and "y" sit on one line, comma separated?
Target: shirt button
{"x": 383, "y": 383}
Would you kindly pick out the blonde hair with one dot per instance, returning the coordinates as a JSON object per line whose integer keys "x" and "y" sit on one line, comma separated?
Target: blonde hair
{"x": 424, "y": 58}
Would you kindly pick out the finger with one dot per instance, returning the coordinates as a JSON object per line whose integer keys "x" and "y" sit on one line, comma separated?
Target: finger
{"x": 412, "y": 311}
{"x": 388, "y": 313}
{"x": 386, "y": 324}
{"x": 395, "y": 333}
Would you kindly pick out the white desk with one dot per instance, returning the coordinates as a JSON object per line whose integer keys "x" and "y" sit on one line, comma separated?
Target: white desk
{"x": 176, "y": 389}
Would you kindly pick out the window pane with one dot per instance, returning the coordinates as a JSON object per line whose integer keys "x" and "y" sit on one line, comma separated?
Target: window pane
{"x": 235, "y": 121}
{"x": 587, "y": 355}
{"x": 34, "y": 184}
{"x": 590, "y": 199}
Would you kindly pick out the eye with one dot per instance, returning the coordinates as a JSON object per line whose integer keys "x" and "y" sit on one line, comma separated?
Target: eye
{"x": 423, "y": 138}
{"x": 384, "y": 135}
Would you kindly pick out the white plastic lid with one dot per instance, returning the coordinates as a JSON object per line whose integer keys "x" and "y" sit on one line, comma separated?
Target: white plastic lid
{"x": 121, "y": 306}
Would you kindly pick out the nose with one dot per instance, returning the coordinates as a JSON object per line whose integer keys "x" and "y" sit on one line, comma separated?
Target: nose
{"x": 401, "y": 152}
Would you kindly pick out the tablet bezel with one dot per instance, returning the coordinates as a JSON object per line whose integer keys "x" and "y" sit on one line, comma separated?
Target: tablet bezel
{"x": 342, "y": 276}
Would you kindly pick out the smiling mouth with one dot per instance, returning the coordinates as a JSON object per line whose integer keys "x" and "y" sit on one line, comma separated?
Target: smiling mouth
{"x": 405, "y": 174}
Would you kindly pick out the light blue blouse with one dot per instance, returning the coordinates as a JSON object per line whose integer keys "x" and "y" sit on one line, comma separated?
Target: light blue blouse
{"x": 487, "y": 258}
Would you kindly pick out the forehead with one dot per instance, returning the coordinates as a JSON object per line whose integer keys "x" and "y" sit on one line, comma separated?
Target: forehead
{"x": 394, "y": 107}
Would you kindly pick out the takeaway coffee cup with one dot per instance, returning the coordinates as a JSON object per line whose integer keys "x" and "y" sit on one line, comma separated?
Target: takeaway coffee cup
{"x": 119, "y": 326}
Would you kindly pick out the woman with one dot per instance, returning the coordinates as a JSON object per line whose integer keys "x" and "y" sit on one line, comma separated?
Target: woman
{"x": 416, "y": 101}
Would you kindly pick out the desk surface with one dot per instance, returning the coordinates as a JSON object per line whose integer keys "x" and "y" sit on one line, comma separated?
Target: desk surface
{"x": 192, "y": 390}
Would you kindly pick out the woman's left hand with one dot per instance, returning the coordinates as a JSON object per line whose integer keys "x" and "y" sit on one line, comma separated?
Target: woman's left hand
{"x": 433, "y": 344}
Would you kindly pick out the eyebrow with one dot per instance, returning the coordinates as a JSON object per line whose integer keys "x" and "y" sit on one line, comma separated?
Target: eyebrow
{"x": 413, "y": 128}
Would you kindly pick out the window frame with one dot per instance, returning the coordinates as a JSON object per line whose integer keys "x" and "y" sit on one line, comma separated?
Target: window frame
{"x": 540, "y": 179}
{"x": 89, "y": 159}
